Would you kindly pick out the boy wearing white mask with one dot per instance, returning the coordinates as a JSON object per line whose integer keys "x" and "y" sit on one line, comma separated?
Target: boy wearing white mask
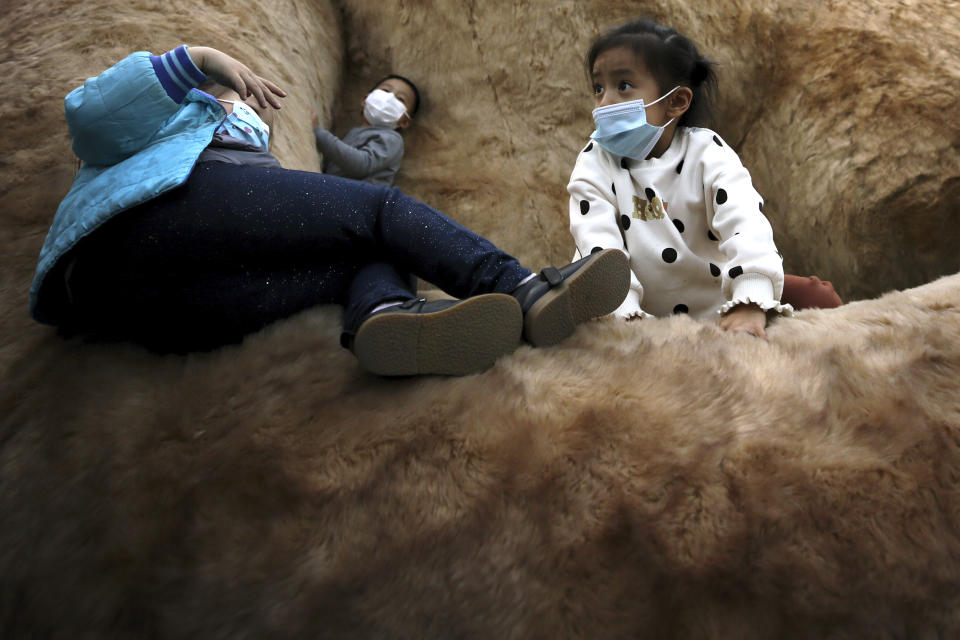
{"x": 373, "y": 151}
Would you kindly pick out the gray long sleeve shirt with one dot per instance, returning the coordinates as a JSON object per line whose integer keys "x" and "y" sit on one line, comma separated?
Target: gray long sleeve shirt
{"x": 372, "y": 154}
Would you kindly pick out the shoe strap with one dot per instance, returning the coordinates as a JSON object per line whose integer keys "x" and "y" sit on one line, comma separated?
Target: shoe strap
{"x": 552, "y": 276}
{"x": 409, "y": 304}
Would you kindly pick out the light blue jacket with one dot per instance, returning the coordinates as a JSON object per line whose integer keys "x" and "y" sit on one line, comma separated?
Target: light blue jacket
{"x": 138, "y": 127}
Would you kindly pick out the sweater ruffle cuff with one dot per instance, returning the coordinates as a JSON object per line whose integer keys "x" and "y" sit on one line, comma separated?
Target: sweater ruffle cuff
{"x": 756, "y": 289}
{"x": 630, "y": 309}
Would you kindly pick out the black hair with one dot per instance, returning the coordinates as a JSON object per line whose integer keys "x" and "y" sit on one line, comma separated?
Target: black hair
{"x": 671, "y": 58}
{"x": 416, "y": 92}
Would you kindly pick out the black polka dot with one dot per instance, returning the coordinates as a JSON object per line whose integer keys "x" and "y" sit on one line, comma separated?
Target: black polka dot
{"x": 625, "y": 222}
{"x": 588, "y": 148}
{"x": 680, "y": 167}
{"x": 584, "y": 207}
{"x": 714, "y": 270}
{"x": 678, "y": 225}
{"x": 595, "y": 250}
{"x": 650, "y": 193}
{"x": 711, "y": 236}
{"x": 624, "y": 163}
{"x": 681, "y": 308}
{"x": 737, "y": 233}
{"x": 669, "y": 255}
{"x": 717, "y": 140}
{"x": 761, "y": 207}
{"x": 721, "y": 196}
{"x": 736, "y": 271}
{"x": 614, "y": 187}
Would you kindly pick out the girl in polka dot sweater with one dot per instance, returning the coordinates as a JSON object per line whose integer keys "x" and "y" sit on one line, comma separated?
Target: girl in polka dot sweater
{"x": 672, "y": 194}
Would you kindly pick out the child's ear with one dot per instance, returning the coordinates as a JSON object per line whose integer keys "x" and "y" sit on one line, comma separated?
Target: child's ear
{"x": 404, "y": 122}
{"x": 679, "y": 102}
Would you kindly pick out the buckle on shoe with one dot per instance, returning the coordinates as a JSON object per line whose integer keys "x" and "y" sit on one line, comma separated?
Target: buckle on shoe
{"x": 552, "y": 276}
{"x": 409, "y": 304}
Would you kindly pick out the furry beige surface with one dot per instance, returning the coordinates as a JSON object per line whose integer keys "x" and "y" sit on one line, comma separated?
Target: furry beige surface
{"x": 655, "y": 479}
{"x": 845, "y": 113}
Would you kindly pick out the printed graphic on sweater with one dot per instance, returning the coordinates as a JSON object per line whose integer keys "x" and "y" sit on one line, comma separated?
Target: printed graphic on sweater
{"x": 653, "y": 210}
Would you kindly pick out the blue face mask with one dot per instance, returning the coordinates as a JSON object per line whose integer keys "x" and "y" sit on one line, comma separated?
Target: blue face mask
{"x": 623, "y": 130}
{"x": 245, "y": 124}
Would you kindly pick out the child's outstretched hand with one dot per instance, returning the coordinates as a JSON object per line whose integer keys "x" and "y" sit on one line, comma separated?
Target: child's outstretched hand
{"x": 748, "y": 318}
{"x": 232, "y": 73}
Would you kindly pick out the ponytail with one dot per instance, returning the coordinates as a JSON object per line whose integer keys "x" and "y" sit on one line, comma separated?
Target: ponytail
{"x": 702, "y": 69}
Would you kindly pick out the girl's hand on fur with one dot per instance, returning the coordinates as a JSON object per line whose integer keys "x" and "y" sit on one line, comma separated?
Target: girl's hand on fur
{"x": 314, "y": 121}
{"x": 232, "y": 73}
{"x": 747, "y": 318}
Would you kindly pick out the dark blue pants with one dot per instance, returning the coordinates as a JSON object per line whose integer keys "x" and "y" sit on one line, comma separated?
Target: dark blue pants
{"x": 237, "y": 248}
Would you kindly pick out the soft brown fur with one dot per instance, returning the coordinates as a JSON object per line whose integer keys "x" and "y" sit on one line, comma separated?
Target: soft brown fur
{"x": 655, "y": 479}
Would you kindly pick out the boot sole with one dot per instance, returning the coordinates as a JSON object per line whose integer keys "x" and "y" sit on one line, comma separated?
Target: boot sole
{"x": 463, "y": 339}
{"x": 594, "y": 290}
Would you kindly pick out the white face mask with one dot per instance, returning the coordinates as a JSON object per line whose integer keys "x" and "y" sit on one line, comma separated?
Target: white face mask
{"x": 382, "y": 108}
{"x": 245, "y": 124}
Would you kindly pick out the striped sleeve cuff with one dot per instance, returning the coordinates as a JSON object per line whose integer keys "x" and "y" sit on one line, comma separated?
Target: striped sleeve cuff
{"x": 177, "y": 73}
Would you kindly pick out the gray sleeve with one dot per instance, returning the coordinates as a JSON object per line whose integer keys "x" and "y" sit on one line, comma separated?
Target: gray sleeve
{"x": 379, "y": 152}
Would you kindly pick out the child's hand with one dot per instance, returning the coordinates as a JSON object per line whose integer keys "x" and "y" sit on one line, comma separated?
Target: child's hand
{"x": 748, "y": 318}
{"x": 314, "y": 121}
{"x": 234, "y": 74}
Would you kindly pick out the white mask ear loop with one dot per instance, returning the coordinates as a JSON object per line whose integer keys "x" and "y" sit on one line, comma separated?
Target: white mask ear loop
{"x": 667, "y": 123}
{"x": 232, "y": 103}
{"x": 662, "y": 97}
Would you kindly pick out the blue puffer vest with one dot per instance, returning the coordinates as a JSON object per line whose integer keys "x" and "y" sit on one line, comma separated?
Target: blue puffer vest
{"x": 139, "y": 128}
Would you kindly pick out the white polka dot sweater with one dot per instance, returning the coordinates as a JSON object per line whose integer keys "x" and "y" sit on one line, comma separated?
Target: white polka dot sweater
{"x": 690, "y": 221}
